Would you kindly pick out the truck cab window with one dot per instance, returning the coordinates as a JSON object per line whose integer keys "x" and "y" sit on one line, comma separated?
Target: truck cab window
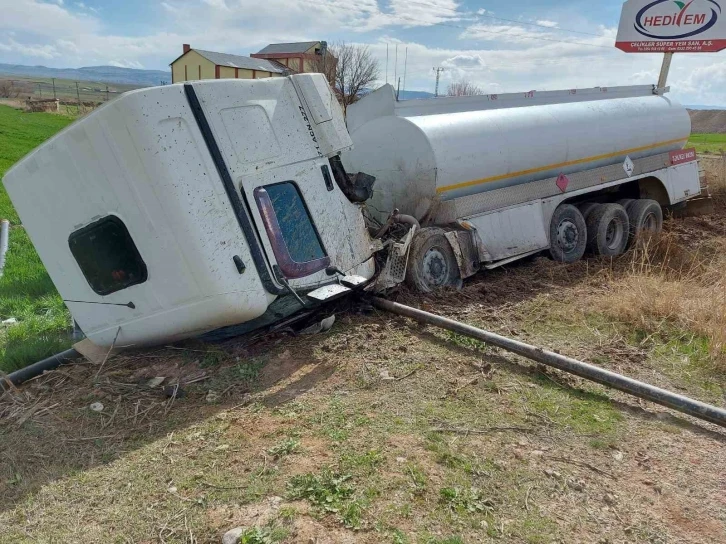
{"x": 295, "y": 242}
{"x": 107, "y": 256}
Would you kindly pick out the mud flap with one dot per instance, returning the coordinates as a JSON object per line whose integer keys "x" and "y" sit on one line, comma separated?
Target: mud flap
{"x": 465, "y": 251}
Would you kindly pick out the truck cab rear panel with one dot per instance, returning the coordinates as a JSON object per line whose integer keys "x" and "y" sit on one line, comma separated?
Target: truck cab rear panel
{"x": 127, "y": 208}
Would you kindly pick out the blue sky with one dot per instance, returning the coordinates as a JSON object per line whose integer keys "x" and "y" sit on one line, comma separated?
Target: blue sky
{"x": 501, "y": 46}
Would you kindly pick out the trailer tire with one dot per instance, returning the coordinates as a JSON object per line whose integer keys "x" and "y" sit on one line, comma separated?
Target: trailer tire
{"x": 608, "y": 229}
{"x": 431, "y": 262}
{"x": 587, "y": 207}
{"x": 646, "y": 217}
{"x": 626, "y": 202}
{"x": 568, "y": 234}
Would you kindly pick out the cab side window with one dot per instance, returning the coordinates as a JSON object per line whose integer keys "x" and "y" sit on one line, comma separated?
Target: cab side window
{"x": 107, "y": 256}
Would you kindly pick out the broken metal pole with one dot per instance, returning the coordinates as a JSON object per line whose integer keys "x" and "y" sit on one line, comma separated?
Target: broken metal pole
{"x": 639, "y": 389}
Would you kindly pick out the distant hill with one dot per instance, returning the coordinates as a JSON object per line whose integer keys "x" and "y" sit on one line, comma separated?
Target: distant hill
{"x": 412, "y": 95}
{"x": 106, "y": 74}
{"x": 697, "y": 107}
{"x": 708, "y": 121}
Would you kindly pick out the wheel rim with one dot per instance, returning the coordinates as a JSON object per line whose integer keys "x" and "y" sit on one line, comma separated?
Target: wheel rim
{"x": 568, "y": 236}
{"x": 650, "y": 223}
{"x": 435, "y": 267}
{"x": 614, "y": 234}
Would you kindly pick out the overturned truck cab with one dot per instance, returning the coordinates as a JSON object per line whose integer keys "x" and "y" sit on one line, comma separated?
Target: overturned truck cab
{"x": 178, "y": 210}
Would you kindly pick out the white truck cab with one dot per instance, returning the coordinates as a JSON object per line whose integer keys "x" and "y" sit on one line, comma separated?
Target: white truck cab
{"x": 177, "y": 210}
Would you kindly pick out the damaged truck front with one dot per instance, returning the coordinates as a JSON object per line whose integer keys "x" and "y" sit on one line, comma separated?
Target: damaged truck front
{"x": 178, "y": 210}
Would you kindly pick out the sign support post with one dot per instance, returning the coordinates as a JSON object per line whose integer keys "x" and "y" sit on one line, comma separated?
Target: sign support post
{"x": 664, "y": 70}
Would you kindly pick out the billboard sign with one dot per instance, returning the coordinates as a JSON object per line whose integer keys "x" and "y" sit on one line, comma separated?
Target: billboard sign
{"x": 672, "y": 26}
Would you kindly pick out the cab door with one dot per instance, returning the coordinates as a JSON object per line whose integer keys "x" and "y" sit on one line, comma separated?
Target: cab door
{"x": 303, "y": 223}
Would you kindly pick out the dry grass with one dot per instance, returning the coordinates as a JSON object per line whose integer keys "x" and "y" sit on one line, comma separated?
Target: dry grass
{"x": 675, "y": 284}
{"x": 671, "y": 288}
{"x": 716, "y": 176}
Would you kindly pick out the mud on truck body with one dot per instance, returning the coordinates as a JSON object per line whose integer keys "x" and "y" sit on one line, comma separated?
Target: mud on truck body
{"x": 225, "y": 205}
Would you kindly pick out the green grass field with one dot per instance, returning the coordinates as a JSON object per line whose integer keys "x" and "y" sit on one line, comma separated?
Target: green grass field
{"x": 26, "y": 291}
{"x": 65, "y": 89}
{"x": 708, "y": 143}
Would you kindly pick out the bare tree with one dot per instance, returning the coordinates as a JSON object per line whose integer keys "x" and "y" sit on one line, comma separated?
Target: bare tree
{"x": 350, "y": 69}
{"x": 12, "y": 89}
{"x": 463, "y": 88}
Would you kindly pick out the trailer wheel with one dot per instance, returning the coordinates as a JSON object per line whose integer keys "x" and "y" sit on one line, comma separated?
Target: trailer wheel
{"x": 586, "y": 208}
{"x": 608, "y": 228}
{"x": 431, "y": 262}
{"x": 646, "y": 217}
{"x": 568, "y": 234}
{"x": 626, "y": 203}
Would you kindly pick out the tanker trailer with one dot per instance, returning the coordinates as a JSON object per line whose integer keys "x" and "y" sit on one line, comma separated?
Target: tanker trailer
{"x": 495, "y": 178}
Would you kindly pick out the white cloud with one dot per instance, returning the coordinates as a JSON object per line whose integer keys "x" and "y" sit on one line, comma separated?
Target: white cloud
{"x": 219, "y": 4}
{"x": 46, "y": 20}
{"x": 126, "y": 64}
{"x": 549, "y": 24}
{"x": 169, "y": 7}
{"x": 505, "y": 57}
{"x": 463, "y": 61}
{"x": 40, "y": 51}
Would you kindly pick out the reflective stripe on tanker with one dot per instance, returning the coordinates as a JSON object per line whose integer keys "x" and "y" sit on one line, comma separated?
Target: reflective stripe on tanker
{"x": 512, "y": 175}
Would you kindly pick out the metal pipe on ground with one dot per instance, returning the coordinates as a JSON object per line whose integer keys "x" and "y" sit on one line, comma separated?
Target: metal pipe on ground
{"x": 639, "y": 389}
{"x": 36, "y": 369}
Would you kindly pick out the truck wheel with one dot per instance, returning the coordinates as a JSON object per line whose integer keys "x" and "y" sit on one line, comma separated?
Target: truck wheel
{"x": 568, "y": 234}
{"x": 586, "y": 208}
{"x": 431, "y": 262}
{"x": 646, "y": 216}
{"x": 608, "y": 228}
{"x": 626, "y": 203}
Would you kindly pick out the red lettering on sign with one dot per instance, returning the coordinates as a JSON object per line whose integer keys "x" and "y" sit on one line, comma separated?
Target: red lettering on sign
{"x": 682, "y": 156}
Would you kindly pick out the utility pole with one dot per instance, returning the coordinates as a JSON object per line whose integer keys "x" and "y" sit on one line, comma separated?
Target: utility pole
{"x": 40, "y": 91}
{"x": 438, "y": 76}
{"x": 78, "y": 94}
{"x": 106, "y": 93}
{"x": 54, "y": 96}
{"x": 395, "y": 66}
{"x": 386, "y": 63}
{"x": 405, "y": 66}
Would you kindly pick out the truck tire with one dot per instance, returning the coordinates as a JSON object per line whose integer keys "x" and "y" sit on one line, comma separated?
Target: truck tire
{"x": 586, "y": 208}
{"x": 646, "y": 216}
{"x": 431, "y": 262}
{"x": 626, "y": 202}
{"x": 568, "y": 234}
{"x": 608, "y": 229}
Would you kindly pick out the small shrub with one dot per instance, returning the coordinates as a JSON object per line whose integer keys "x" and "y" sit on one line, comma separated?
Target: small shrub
{"x": 327, "y": 490}
{"x": 464, "y": 501}
{"x": 287, "y": 447}
{"x": 264, "y": 535}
